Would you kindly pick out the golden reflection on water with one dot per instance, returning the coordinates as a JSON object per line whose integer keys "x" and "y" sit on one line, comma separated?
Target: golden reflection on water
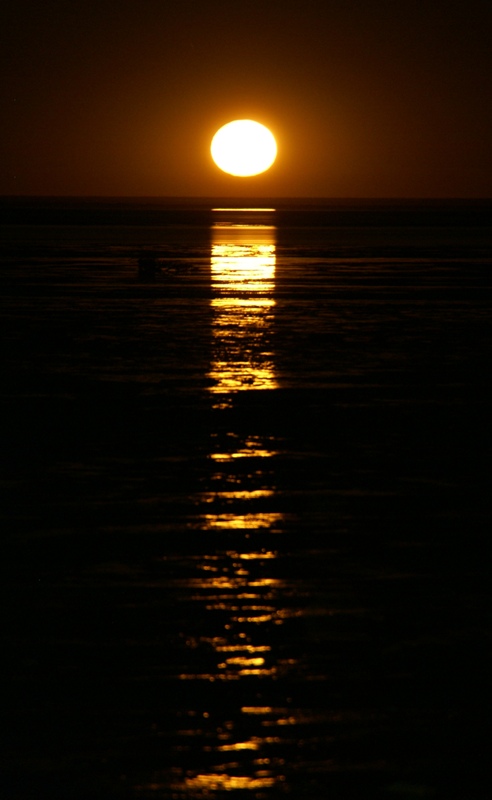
{"x": 236, "y": 501}
{"x": 235, "y": 591}
{"x": 251, "y": 447}
{"x": 240, "y": 589}
{"x": 211, "y": 783}
{"x": 243, "y": 280}
{"x": 241, "y": 521}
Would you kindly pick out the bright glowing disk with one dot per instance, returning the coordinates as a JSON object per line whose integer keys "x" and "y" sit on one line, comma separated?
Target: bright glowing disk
{"x": 244, "y": 147}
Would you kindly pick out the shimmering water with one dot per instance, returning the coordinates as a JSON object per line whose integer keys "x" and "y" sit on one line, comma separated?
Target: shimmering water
{"x": 247, "y": 502}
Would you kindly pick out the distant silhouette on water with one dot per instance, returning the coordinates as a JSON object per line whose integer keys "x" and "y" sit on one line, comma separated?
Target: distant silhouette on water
{"x": 148, "y": 267}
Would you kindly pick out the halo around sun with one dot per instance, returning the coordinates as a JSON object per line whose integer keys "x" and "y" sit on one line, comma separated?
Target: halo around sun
{"x": 243, "y": 148}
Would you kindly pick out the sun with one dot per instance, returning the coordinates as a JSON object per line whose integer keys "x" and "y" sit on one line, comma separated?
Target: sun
{"x": 243, "y": 148}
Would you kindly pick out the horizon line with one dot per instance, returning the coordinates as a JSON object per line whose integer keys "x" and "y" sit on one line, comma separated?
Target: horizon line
{"x": 241, "y": 198}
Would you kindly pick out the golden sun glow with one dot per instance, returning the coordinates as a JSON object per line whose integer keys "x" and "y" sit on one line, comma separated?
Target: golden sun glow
{"x": 243, "y": 148}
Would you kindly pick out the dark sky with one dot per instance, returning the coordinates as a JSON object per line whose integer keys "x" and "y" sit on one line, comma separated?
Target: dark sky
{"x": 367, "y": 98}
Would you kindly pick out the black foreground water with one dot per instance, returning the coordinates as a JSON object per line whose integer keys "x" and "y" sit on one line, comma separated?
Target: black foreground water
{"x": 246, "y": 503}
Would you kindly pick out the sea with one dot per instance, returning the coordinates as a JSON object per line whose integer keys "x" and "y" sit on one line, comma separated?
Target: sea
{"x": 246, "y": 498}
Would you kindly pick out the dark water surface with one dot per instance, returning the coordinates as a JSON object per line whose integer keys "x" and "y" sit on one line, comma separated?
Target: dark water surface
{"x": 246, "y": 504}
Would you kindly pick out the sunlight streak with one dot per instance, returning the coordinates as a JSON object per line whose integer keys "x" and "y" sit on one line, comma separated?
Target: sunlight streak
{"x": 243, "y": 281}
